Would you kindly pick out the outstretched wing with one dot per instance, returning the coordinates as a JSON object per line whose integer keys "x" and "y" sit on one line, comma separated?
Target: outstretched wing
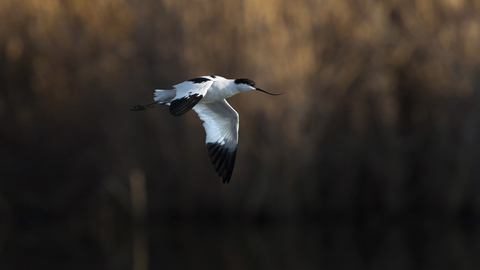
{"x": 188, "y": 94}
{"x": 221, "y": 125}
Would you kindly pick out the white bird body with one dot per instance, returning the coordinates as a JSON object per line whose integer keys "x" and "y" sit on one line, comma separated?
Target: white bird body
{"x": 206, "y": 96}
{"x": 217, "y": 89}
{"x": 221, "y": 88}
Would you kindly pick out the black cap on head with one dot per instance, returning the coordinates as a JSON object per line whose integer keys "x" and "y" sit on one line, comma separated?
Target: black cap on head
{"x": 245, "y": 81}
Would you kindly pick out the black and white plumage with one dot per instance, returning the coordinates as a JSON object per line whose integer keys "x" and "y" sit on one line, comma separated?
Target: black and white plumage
{"x": 206, "y": 95}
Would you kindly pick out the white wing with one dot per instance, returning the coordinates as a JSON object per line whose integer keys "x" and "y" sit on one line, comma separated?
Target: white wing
{"x": 188, "y": 94}
{"x": 221, "y": 125}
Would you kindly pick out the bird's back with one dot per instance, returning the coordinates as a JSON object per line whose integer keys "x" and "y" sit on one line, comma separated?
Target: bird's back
{"x": 220, "y": 89}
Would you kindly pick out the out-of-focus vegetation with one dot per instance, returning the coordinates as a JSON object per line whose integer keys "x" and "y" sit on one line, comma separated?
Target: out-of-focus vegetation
{"x": 380, "y": 115}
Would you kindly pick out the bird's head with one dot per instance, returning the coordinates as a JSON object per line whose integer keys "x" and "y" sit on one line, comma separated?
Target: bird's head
{"x": 245, "y": 85}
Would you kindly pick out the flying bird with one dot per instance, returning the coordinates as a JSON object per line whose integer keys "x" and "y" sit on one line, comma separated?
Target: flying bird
{"x": 206, "y": 95}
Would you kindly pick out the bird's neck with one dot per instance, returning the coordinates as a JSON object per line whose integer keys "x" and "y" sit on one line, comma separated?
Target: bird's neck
{"x": 231, "y": 88}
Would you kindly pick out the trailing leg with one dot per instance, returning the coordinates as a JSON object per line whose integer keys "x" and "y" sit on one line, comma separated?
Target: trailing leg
{"x": 143, "y": 107}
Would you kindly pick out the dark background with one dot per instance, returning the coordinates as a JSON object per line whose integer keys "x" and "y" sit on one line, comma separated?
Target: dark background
{"x": 370, "y": 160}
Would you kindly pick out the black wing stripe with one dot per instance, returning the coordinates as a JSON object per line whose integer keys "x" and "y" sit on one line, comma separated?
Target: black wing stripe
{"x": 183, "y": 105}
{"x": 223, "y": 160}
{"x": 199, "y": 80}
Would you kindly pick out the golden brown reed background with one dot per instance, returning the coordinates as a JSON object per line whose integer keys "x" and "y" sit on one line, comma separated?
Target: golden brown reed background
{"x": 380, "y": 113}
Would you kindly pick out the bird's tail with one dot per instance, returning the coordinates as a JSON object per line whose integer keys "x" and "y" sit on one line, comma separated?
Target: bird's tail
{"x": 164, "y": 96}
{"x": 160, "y": 97}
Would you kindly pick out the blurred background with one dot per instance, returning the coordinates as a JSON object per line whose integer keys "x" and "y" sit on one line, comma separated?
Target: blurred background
{"x": 370, "y": 160}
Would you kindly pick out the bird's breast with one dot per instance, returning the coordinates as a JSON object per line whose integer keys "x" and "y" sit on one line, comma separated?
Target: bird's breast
{"x": 215, "y": 94}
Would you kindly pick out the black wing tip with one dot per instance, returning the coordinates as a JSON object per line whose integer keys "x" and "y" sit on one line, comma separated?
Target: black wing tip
{"x": 181, "y": 106}
{"x": 223, "y": 160}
